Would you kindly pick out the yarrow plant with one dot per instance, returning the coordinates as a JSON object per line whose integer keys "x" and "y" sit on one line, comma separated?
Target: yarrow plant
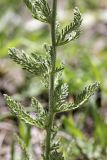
{"x": 51, "y": 76}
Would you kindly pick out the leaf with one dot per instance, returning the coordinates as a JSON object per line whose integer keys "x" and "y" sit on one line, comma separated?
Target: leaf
{"x": 56, "y": 156}
{"x": 71, "y": 31}
{"x": 40, "y": 112}
{"x": 19, "y": 111}
{"x": 34, "y": 63}
{"x": 48, "y": 49}
{"x": 61, "y": 93}
{"x": 58, "y": 75}
{"x": 40, "y": 10}
{"x": 23, "y": 147}
{"x": 24, "y": 130}
{"x": 38, "y": 107}
{"x": 85, "y": 95}
{"x": 60, "y": 68}
{"x": 55, "y": 144}
{"x": 80, "y": 99}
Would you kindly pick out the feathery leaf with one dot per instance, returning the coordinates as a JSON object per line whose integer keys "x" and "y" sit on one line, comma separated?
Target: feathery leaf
{"x": 40, "y": 112}
{"x": 37, "y": 106}
{"x": 19, "y": 111}
{"x": 71, "y": 31}
{"x": 34, "y": 63}
{"x": 80, "y": 99}
{"x": 61, "y": 93}
{"x": 40, "y": 10}
{"x": 56, "y": 156}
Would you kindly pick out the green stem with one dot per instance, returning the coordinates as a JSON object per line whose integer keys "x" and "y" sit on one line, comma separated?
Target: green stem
{"x": 13, "y": 150}
{"x": 51, "y": 81}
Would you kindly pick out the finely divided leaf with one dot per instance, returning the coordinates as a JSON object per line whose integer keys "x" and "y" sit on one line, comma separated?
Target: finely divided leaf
{"x": 33, "y": 63}
{"x": 37, "y": 106}
{"x": 56, "y": 156}
{"x": 85, "y": 95}
{"x": 40, "y": 112}
{"x": 61, "y": 93}
{"x": 19, "y": 111}
{"x": 40, "y": 10}
{"x": 72, "y": 31}
{"x": 80, "y": 99}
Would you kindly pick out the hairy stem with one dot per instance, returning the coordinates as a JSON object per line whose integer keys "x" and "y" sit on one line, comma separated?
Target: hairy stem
{"x": 51, "y": 81}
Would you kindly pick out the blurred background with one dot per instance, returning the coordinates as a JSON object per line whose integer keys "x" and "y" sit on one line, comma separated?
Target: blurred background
{"x": 83, "y": 132}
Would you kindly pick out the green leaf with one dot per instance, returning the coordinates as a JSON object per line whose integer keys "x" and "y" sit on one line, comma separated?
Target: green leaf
{"x": 40, "y": 10}
{"x": 19, "y": 111}
{"x": 80, "y": 99}
{"x": 71, "y": 31}
{"x": 33, "y": 63}
{"x": 24, "y": 131}
{"x": 58, "y": 76}
{"x": 56, "y": 156}
{"x": 37, "y": 106}
{"x": 59, "y": 68}
{"x": 61, "y": 93}
{"x": 40, "y": 112}
{"x": 85, "y": 95}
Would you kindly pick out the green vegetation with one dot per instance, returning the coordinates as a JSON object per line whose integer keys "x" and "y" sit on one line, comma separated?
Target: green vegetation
{"x": 56, "y": 76}
{"x": 51, "y": 75}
